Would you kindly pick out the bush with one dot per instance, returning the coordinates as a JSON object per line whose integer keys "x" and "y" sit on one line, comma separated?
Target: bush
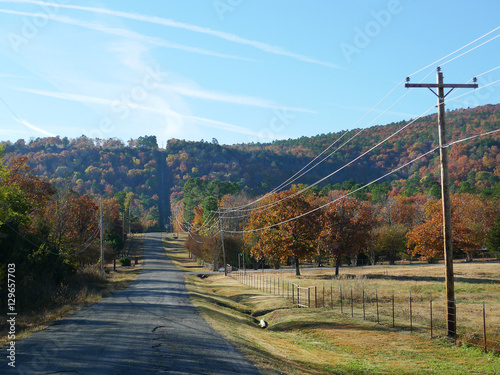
{"x": 125, "y": 261}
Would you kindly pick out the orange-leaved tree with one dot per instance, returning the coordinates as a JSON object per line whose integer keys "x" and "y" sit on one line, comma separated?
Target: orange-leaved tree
{"x": 472, "y": 217}
{"x": 278, "y": 228}
{"x": 346, "y": 224}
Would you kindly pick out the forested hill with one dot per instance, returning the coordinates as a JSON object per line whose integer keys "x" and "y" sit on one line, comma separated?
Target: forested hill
{"x": 156, "y": 177}
{"x": 259, "y": 167}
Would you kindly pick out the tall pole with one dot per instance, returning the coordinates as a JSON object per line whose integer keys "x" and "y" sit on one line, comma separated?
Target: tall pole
{"x": 102, "y": 238}
{"x": 445, "y": 194}
{"x": 446, "y": 203}
{"x": 123, "y": 226}
{"x": 222, "y": 240}
{"x": 129, "y": 218}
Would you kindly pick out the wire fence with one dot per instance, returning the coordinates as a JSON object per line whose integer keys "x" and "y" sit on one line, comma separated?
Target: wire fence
{"x": 478, "y": 324}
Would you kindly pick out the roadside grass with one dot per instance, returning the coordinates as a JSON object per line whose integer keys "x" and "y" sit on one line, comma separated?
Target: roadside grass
{"x": 174, "y": 247}
{"x": 324, "y": 341}
{"x": 475, "y": 283}
{"x": 86, "y": 288}
{"x": 320, "y": 341}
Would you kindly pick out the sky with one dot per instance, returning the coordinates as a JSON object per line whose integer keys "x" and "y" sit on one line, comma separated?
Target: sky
{"x": 239, "y": 71}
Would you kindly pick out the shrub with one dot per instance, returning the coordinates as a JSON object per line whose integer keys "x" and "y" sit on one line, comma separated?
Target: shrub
{"x": 125, "y": 261}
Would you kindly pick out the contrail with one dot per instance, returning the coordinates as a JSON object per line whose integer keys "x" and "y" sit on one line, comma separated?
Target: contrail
{"x": 185, "y": 26}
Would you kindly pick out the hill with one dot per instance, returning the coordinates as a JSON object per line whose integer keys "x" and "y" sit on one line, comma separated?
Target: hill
{"x": 156, "y": 176}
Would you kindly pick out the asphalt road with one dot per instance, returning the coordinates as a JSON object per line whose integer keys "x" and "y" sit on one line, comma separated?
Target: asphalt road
{"x": 149, "y": 328}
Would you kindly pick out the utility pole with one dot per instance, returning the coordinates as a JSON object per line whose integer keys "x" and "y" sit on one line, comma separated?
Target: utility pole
{"x": 123, "y": 226}
{"x": 445, "y": 193}
{"x": 102, "y": 238}
{"x": 129, "y": 218}
{"x": 222, "y": 240}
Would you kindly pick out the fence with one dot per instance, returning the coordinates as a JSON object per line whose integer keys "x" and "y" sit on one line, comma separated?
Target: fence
{"x": 477, "y": 324}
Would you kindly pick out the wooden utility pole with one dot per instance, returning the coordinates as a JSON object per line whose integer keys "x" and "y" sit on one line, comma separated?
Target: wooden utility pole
{"x": 102, "y": 239}
{"x": 222, "y": 240}
{"x": 445, "y": 193}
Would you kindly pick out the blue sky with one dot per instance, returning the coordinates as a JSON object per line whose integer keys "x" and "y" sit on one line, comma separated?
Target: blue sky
{"x": 236, "y": 70}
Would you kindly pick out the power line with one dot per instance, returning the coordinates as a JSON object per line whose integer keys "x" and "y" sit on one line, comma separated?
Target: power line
{"x": 452, "y": 53}
{"x": 295, "y": 177}
{"x": 38, "y": 246}
{"x": 362, "y": 187}
{"x": 341, "y": 168}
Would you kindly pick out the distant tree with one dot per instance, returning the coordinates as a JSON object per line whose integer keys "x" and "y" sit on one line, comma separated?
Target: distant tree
{"x": 493, "y": 239}
{"x": 472, "y": 217}
{"x": 390, "y": 241}
{"x": 295, "y": 237}
{"x": 345, "y": 227}
{"x": 147, "y": 142}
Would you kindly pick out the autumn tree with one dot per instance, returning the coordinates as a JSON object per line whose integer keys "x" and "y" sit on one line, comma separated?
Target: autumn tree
{"x": 390, "y": 241}
{"x": 472, "y": 217}
{"x": 277, "y": 230}
{"x": 493, "y": 239}
{"x": 345, "y": 227}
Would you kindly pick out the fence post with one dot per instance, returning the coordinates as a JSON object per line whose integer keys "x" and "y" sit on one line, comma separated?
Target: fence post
{"x": 364, "y": 315}
{"x": 331, "y": 292}
{"x": 341, "y": 307}
{"x": 376, "y": 297}
{"x": 393, "y": 309}
{"x": 455, "y": 318}
{"x": 315, "y": 297}
{"x": 352, "y": 304}
{"x": 309, "y": 297}
{"x": 484, "y": 327}
{"x": 323, "y": 294}
{"x": 293, "y": 295}
{"x": 411, "y": 317}
{"x": 431, "y": 313}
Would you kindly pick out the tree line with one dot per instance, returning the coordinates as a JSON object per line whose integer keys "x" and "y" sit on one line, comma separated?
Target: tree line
{"x": 52, "y": 235}
{"x": 335, "y": 226}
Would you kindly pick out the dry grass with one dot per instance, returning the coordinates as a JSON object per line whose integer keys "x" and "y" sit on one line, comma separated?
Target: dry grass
{"x": 324, "y": 341}
{"x": 475, "y": 283}
{"x": 175, "y": 250}
{"x": 319, "y": 341}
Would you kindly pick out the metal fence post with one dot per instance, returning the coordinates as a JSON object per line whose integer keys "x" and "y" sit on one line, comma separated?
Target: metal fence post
{"x": 323, "y": 294}
{"x": 376, "y": 297}
{"x": 411, "y": 317}
{"x": 484, "y": 327}
{"x": 352, "y": 304}
{"x": 393, "y": 309}
{"x": 431, "y": 313}
{"x": 341, "y": 307}
{"x": 331, "y": 292}
{"x": 364, "y": 315}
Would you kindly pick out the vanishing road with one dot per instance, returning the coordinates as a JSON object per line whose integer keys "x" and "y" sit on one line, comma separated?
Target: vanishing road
{"x": 149, "y": 328}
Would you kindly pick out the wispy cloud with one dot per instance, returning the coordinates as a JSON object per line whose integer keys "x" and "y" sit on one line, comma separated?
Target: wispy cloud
{"x": 185, "y": 26}
{"x": 85, "y": 99}
{"x": 200, "y": 93}
{"x": 33, "y": 127}
{"x": 123, "y": 33}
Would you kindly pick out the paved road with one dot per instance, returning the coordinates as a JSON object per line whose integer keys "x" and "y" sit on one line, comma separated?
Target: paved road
{"x": 149, "y": 328}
